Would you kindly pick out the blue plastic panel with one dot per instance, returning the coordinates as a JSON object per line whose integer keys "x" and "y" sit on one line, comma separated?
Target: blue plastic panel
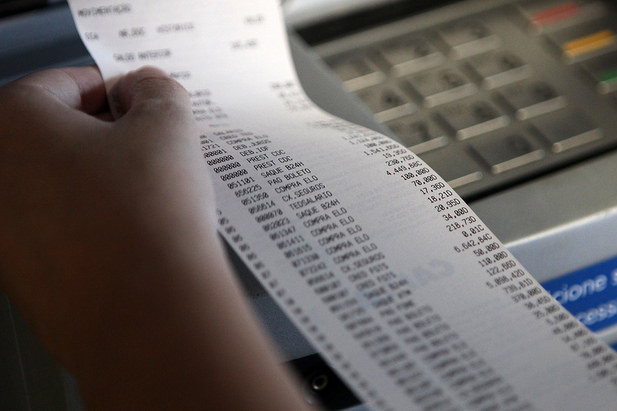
{"x": 590, "y": 294}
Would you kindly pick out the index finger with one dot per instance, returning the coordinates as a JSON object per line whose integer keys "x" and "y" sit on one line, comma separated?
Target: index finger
{"x": 79, "y": 88}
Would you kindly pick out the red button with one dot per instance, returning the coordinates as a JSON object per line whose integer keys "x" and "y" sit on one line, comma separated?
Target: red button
{"x": 556, "y": 14}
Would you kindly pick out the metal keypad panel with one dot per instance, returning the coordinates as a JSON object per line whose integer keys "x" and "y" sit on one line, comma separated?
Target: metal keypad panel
{"x": 494, "y": 98}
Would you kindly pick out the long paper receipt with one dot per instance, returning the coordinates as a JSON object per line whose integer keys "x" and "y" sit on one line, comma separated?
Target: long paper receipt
{"x": 381, "y": 265}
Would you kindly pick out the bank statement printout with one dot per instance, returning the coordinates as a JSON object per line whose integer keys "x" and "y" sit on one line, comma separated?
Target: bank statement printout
{"x": 381, "y": 265}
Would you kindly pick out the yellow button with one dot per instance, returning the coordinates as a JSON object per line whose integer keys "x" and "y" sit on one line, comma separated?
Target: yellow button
{"x": 589, "y": 43}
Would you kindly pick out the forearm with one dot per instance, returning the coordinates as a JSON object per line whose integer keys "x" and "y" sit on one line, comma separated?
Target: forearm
{"x": 184, "y": 340}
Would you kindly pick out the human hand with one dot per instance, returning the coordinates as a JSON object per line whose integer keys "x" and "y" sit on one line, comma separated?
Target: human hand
{"x": 109, "y": 247}
{"x": 84, "y": 198}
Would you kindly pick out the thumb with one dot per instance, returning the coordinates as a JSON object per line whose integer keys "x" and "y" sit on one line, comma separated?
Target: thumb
{"x": 147, "y": 91}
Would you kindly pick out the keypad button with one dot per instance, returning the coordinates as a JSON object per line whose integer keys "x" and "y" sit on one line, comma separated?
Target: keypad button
{"x": 438, "y": 87}
{"x": 454, "y": 165}
{"x": 532, "y": 98}
{"x": 468, "y": 38}
{"x": 546, "y": 15}
{"x": 566, "y": 130}
{"x": 499, "y": 69}
{"x": 356, "y": 71}
{"x": 418, "y": 135}
{"x": 408, "y": 55}
{"x": 585, "y": 41}
{"x": 507, "y": 150}
{"x": 603, "y": 72}
{"x": 469, "y": 119}
{"x": 386, "y": 102}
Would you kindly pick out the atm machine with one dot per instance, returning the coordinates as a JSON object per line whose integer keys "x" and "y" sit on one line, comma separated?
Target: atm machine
{"x": 514, "y": 103}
